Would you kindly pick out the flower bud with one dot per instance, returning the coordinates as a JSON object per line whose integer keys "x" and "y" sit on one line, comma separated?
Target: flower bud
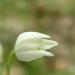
{"x": 33, "y": 45}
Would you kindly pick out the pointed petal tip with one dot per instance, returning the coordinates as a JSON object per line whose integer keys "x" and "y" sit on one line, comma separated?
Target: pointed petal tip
{"x": 38, "y": 34}
{"x": 56, "y": 43}
{"x": 50, "y": 54}
{"x": 46, "y": 53}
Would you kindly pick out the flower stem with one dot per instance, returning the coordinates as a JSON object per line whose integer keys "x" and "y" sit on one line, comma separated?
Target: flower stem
{"x": 9, "y": 63}
{"x": 7, "y": 70}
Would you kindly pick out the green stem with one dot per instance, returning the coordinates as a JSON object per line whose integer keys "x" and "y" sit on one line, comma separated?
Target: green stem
{"x": 1, "y": 68}
{"x": 9, "y": 63}
{"x": 7, "y": 70}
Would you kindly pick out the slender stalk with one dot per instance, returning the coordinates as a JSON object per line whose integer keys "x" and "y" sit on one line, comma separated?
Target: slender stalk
{"x": 1, "y": 69}
{"x": 7, "y": 70}
{"x": 9, "y": 63}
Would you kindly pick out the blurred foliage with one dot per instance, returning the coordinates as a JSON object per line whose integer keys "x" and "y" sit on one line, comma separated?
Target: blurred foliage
{"x": 54, "y": 17}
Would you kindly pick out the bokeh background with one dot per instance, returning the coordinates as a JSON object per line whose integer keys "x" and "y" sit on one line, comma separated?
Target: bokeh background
{"x": 53, "y": 17}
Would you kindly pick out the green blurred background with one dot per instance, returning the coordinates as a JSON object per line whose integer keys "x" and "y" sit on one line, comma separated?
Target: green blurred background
{"x": 52, "y": 17}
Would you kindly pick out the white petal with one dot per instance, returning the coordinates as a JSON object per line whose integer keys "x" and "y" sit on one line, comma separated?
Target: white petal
{"x": 29, "y": 44}
{"x": 28, "y": 35}
{"x": 33, "y": 35}
{"x": 31, "y": 55}
{"x": 47, "y": 44}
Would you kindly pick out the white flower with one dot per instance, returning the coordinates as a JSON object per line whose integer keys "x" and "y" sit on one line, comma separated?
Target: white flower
{"x": 1, "y": 53}
{"x": 33, "y": 45}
